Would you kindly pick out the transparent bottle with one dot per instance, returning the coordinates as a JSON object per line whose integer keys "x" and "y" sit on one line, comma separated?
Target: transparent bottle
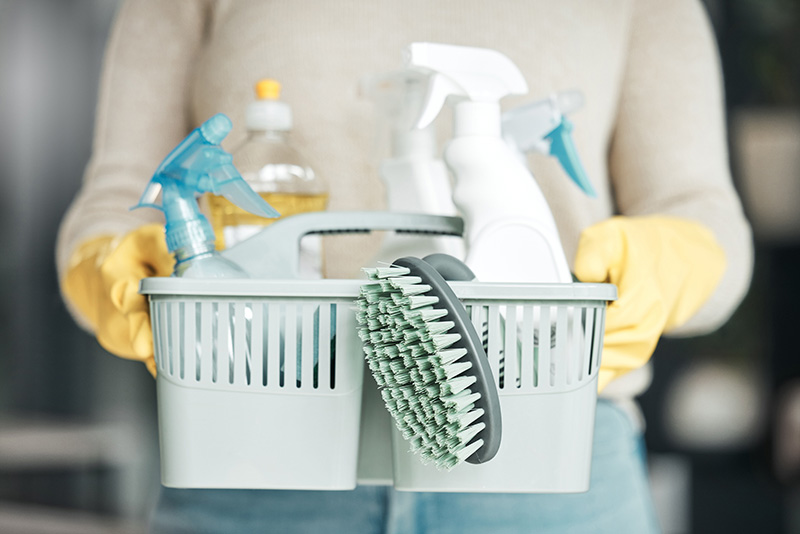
{"x": 207, "y": 262}
{"x": 278, "y": 172}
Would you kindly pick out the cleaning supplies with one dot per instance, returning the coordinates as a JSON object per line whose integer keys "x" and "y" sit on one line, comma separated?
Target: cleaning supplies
{"x": 415, "y": 178}
{"x": 429, "y": 363}
{"x": 199, "y": 165}
{"x": 542, "y": 126}
{"x": 278, "y": 172}
{"x": 511, "y": 234}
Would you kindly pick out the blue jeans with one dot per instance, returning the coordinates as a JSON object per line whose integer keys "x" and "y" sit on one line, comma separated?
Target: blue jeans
{"x": 618, "y": 502}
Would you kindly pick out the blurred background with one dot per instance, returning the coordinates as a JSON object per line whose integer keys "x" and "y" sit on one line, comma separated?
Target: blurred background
{"x": 78, "y": 437}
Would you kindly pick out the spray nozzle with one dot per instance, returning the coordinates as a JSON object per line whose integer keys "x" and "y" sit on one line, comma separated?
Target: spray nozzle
{"x": 475, "y": 74}
{"x": 563, "y": 148}
{"x": 216, "y": 128}
{"x": 399, "y": 95}
{"x": 198, "y": 165}
{"x": 542, "y": 126}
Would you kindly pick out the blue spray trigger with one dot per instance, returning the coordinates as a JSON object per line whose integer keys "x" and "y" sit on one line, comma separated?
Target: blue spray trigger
{"x": 198, "y": 165}
{"x": 240, "y": 193}
{"x": 563, "y": 148}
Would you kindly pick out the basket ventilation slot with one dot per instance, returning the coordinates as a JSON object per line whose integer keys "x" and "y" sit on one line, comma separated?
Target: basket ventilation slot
{"x": 268, "y": 345}
{"x": 538, "y": 346}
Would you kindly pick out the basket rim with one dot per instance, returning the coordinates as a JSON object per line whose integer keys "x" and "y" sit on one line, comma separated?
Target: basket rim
{"x": 347, "y": 289}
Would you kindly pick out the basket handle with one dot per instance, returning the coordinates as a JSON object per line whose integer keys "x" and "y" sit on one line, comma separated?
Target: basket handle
{"x": 273, "y": 252}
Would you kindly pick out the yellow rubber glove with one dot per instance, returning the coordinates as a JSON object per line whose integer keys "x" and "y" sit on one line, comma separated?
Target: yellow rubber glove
{"x": 102, "y": 282}
{"x": 664, "y": 268}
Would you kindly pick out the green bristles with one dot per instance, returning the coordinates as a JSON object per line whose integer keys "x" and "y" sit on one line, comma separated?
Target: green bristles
{"x": 410, "y": 352}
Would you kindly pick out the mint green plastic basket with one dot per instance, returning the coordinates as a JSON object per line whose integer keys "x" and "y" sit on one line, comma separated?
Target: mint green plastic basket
{"x": 260, "y": 382}
{"x": 544, "y": 344}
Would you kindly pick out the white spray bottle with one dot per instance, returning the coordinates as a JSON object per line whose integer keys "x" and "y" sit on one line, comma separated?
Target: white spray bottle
{"x": 415, "y": 178}
{"x": 511, "y": 234}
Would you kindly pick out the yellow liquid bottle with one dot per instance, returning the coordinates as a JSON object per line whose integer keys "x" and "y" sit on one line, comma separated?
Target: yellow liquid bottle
{"x": 232, "y": 224}
{"x": 278, "y": 172}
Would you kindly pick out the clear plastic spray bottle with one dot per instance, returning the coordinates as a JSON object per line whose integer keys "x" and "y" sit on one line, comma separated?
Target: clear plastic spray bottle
{"x": 199, "y": 165}
{"x": 415, "y": 177}
{"x": 196, "y": 166}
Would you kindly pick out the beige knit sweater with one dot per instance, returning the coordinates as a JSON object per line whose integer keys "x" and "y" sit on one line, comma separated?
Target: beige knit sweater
{"x": 651, "y": 134}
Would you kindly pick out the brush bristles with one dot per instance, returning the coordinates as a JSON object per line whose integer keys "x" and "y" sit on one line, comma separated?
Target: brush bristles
{"x": 422, "y": 380}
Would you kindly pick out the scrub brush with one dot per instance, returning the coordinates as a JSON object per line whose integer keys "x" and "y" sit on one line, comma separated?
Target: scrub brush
{"x": 429, "y": 364}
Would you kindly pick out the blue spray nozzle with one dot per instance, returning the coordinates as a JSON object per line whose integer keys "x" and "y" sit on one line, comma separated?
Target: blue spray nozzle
{"x": 199, "y": 165}
{"x": 563, "y": 148}
{"x": 216, "y": 128}
{"x": 542, "y": 126}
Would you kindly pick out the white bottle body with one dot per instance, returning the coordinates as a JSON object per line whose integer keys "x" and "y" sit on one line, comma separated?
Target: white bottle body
{"x": 510, "y": 232}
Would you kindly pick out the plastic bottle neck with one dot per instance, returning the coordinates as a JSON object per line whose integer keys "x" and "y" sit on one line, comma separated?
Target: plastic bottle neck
{"x": 477, "y": 118}
{"x": 269, "y": 135}
{"x": 410, "y": 143}
{"x": 192, "y": 251}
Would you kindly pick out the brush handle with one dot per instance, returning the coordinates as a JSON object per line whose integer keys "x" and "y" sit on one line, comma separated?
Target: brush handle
{"x": 452, "y": 269}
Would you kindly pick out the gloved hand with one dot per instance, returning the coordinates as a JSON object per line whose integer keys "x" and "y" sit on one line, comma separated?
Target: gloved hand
{"x": 102, "y": 282}
{"x": 664, "y": 268}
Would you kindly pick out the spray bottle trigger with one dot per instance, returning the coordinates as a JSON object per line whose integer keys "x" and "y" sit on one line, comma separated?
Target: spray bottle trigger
{"x": 439, "y": 88}
{"x": 240, "y": 193}
{"x": 149, "y": 196}
{"x": 563, "y": 148}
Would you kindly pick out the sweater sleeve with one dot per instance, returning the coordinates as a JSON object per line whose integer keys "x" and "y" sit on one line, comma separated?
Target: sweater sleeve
{"x": 668, "y": 154}
{"x": 142, "y": 113}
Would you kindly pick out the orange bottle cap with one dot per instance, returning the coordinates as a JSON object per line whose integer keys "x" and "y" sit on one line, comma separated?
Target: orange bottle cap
{"x": 268, "y": 89}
